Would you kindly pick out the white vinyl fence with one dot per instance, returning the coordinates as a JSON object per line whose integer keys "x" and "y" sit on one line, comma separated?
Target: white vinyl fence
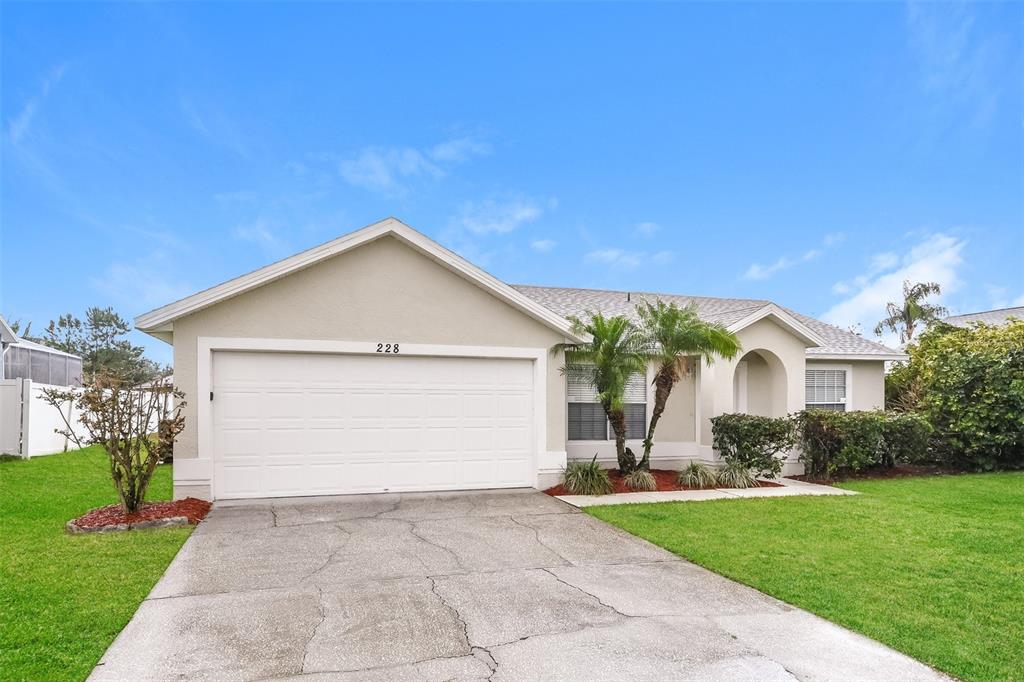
{"x": 27, "y": 423}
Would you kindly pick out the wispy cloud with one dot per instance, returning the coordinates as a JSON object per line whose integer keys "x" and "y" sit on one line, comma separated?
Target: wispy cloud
{"x": 936, "y": 258}
{"x": 758, "y": 271}
{"x": 958, "y": 64}
{"x": 213, "y": 124}
{"x": 261, "y": 232}
{"x": 623, "y": 259}
{"x": 543, "y": 245}
{"x": 647, "y": 229}
{"x": 20, "y": 125}
{"x": 459, "y": 149}
{"x": 392, "y": 170}
{"x": 141, "y": 285}
{"x": 497, "y": 216}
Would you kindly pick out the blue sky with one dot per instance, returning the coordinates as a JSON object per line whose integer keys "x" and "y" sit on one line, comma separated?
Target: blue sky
{"x": 813, "y": 154}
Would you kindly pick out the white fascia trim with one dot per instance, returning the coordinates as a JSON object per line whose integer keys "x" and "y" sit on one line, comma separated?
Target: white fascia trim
{"x": 204, "y": 383}
{"x": 7, "y": 334}
{"x": 162, "y": 318}
{"x": 878, "y": 357}
{"x": 799, "y": 329}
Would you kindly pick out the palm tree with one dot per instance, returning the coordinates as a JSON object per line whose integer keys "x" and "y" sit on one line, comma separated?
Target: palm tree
{"x": 672, "y": 335}
{"x": 903, "y": 319}
{"x": 613, "y": 353}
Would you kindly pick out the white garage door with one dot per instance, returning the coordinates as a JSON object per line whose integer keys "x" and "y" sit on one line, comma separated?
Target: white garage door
{"x": 308, "y": 424}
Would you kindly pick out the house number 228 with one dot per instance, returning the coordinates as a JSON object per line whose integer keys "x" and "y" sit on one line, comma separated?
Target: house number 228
{"x": 387, "y": 347}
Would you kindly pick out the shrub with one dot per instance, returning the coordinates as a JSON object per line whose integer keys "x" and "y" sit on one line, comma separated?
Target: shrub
{"x": 831, "y": 441}
{"x": 972, "y": 393}
{"x": 638, "y": 479}
{"x": 735, "y": 475}
{"x": 752, "y": 441}
{"x": 697, "y": 475}
{"x": 586, "y": 478}
{"x": 906, "y": 438}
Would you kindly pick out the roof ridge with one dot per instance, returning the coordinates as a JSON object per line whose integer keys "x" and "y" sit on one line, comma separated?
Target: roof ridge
{"x": 983, "y": 312}
{"x": 760, "y": 301}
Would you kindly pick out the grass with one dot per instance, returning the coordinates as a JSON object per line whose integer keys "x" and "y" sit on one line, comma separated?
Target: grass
{"x": 64, "y": 598}
{"x": 933, "y": 567}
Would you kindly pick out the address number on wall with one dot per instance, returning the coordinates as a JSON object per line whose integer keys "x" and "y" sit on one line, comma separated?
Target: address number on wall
{"x": 387, "y": 348}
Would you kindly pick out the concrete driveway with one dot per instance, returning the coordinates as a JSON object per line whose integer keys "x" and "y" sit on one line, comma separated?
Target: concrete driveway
{"x": 510, "y": 585}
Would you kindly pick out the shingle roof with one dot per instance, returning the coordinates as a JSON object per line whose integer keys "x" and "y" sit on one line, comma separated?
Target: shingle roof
{"x": 565, "y": 302}
{"x": 991, "y": 317}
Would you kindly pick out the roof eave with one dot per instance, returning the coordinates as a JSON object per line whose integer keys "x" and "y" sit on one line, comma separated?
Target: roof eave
{"x": 795, "y": 326}
{"x": 162, "y": 319}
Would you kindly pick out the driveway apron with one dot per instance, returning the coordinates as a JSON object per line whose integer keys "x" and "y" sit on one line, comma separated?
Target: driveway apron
{"x": 491, "y": 585}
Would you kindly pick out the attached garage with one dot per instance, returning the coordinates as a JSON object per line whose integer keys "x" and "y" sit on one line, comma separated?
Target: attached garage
{"x": 377, "y": 362}
{"x": 288, "y": 423}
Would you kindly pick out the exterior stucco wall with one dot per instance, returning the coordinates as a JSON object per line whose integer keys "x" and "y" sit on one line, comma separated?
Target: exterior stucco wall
{"x": 674, "y": 441}
{"x": 784, "y": 355}
{"x": 381, "y": 291}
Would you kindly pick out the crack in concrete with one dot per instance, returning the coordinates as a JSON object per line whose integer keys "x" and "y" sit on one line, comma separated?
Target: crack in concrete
{"x": 312, "y": 635}
{"x": 455, "y": 557}
{"x": 333, "y": 555}
{"x": 455, "y": 612}
{"x": 589, "y": 594}
{"x": 536, "y": 535}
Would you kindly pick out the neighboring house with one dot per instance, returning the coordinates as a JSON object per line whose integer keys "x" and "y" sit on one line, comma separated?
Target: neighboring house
{"x": 381, "y": 361}
{"x": 27, "y": 422}
{"x": 24, "y": 359}
{"x": 989, "y": 317}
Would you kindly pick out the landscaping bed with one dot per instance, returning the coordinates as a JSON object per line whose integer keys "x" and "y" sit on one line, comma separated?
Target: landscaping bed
{"x": 667, "y": 479}
{"x": 152, "y": 515}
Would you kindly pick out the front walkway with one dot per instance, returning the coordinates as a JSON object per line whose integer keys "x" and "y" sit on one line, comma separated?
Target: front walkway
{"x": 503, "y": 585}
{"x": 789, "y": 487}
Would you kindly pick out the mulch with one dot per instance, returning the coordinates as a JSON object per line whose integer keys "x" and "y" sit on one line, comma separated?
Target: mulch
{"x": 898, "y": 471}
{"x": 112, "y": 515}
{"x": 668, "y": 479}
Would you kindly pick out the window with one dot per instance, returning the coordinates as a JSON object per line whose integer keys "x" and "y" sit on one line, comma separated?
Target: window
{"x": 586, "y": 415}
{"x": 825, "y": 389}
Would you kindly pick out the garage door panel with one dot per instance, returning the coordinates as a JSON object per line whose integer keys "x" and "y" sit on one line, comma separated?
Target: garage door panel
{"x": 293, "y": 424}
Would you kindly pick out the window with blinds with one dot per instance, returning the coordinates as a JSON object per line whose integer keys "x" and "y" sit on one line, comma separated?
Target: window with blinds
{"x": 825, "y": 389}
{"x": 586, "y": 416}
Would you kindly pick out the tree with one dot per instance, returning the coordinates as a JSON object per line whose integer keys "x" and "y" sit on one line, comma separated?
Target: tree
{"x": 614, "y": 352}
{"x": 903, "y": 318}
{"x": 672, "y": 335}
{"x": 99, "y": 342}
{"x": 136, "y": 426}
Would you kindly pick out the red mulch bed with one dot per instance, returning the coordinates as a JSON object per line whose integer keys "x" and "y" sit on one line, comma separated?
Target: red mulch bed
{"x": 667, "y": 479}
{"x": 899, "y": 471}
{"x": 112, "y": 515}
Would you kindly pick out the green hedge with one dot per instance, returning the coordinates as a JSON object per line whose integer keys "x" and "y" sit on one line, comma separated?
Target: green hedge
{"x": 851, "y": 441}
{"x": 969, "y": 384}
{"x": 753, "y": 442}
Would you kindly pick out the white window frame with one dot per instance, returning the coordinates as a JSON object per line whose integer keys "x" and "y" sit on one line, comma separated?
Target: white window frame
{"x": 609, "y": 434}
{"x": 847, "y": 369}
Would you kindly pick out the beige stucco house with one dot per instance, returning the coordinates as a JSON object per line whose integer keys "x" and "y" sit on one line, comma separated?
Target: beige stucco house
{"x": 381, "y": 361}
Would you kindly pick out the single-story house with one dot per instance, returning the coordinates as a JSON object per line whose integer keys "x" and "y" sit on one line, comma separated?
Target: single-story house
{"x": 381, "y": 361}
{"x": 993, "y": 318}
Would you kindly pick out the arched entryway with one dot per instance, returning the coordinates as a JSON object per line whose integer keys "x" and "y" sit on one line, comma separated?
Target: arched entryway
{"x": 759, "y": 384}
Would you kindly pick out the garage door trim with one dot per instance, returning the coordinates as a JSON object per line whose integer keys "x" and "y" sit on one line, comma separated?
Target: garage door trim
{"x": 208, "y": 345}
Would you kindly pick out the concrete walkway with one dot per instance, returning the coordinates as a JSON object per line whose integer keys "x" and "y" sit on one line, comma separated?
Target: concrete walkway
{"x": 789, "y": 488}
{"x": 504, "y": 585}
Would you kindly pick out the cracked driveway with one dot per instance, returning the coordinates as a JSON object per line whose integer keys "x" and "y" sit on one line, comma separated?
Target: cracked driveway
{"x": 499, "y": 585}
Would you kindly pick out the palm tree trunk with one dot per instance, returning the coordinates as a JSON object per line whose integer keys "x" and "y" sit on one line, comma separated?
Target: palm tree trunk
{"x": 663, "y": 384}
{"x": 617, "y": 418}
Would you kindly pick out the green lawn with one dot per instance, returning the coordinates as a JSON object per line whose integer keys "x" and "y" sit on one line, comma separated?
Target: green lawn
{"x": 933, "y": 567}
{"x": 64, "y": 598}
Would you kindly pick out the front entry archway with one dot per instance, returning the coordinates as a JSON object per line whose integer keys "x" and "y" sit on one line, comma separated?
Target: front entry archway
{"x": 759, "y": 384}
